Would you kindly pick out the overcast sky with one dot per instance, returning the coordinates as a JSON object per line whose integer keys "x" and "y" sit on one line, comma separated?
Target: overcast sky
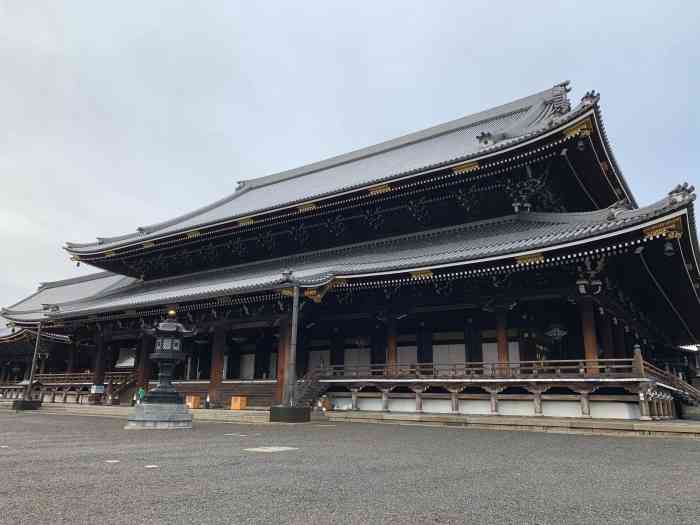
{"x": 120, "y": 114}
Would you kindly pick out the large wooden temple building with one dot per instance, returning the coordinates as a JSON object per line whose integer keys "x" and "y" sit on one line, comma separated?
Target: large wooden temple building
{"x": 495, "y": 264}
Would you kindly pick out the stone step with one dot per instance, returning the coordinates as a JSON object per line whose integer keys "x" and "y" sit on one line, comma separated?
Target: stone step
{"x": 663, "y": 428}
{"x": 122, "y": 411}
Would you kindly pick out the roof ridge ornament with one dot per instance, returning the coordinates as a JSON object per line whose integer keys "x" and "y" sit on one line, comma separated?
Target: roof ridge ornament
{"x": 618, "y": 208}
{"x": 590, "y": 98}
{"x": 681, "y": 193}
{"x": 560, "y": 101}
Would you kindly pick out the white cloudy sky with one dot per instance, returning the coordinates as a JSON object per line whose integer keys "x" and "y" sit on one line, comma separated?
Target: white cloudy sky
{"x": 119, "y": 114}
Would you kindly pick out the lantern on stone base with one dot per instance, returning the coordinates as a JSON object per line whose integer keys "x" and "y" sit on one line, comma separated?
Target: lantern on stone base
{"x": 163, "y": 406}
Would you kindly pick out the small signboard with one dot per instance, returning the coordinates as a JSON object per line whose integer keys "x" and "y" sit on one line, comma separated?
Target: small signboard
{"x": 97, "y": 389}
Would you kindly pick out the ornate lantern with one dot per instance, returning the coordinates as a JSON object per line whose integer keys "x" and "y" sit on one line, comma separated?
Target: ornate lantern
{"x": 168, "y": 352}
{"x": 163, "y": 407}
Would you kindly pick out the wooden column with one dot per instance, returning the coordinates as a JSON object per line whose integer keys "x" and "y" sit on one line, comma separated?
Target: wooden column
{"x": 391, "y": 345}
{"x": 385, "y": 400}
{"x": 585, "y": 404}
{"x": 143, "y": 373}
{"x": 590, "y": 343}
{"x": 218, "y": 347}
{"x": 354, "y": 392}
{"x": 454, "y": 400}
{"x": 493, "y": 399}
{"x": 418, "y": 391}
{"x": 98, "y": 370}
{"x": 282, "y": 346}
{"x": 537, "y": 400}
{"x": 502, "y": 338}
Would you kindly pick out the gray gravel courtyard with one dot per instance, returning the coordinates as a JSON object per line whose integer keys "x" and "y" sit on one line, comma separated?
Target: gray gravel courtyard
{"x": 71, "y": 469}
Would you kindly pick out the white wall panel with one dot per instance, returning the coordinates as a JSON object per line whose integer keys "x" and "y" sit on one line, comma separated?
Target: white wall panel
{"x": 437, "y": 406}
{"x": 614, "y": 410}
{"x": 341, "y": 403}
{"x": 474, "y": 406}
{"x": 402, "y": 405}
{"x": 516, "y": 408}
{"x": 561, "y": 408}
{"x": 371, "y": 404}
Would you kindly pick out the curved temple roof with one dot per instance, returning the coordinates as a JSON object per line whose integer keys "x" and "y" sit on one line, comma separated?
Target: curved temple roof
{"x": 509, "y": 236}
{"x": 467, "y": 138}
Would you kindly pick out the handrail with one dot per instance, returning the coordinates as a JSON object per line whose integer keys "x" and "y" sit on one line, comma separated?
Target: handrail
{"x": 663, "y": 375}
{"x": 81, "y": 377}
{"x": 548, "y": 368}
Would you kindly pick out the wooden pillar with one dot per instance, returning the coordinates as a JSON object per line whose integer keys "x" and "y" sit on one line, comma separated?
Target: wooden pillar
{"x": 385, "y": 400}
{"x": 644, "y": 408}
{"x": 590, "y": 343}
{"x": 537, "y": 400}
{"x": 502, "y": 335}
{"x": 98, "y": 371}
{"x": 143, "y": 373}
{"x": 493, "y": 392}
{"x": 354, "y": 392}
{"x": 454, "y": 400}
{"x": 391, "y": 346}
{"x": 282, "y": 346}
{"x": 585, "y": 404}
{"x": 607, "y": 337}
{"x": 418, "y": 391}
{"x": 218, "y": 347}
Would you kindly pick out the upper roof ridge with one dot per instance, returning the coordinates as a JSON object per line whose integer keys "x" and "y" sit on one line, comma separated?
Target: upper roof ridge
{"x": 532, "y": 109}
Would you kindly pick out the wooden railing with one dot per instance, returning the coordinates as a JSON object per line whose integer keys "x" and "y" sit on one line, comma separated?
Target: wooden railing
{"x": 670, "y": 379}
{"x": 527, "y": 369}
{"x": 554, "y": 369}
{"x": 83, "y": 378}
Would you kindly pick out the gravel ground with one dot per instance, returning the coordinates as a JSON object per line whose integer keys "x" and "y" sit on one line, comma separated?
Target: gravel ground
{"x": 54, "y": 469}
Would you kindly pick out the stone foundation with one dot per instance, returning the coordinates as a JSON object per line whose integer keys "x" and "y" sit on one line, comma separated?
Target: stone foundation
{"x": 159, "y": 416}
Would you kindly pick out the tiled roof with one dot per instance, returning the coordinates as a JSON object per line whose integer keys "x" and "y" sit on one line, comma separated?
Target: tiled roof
{"x": 467, "y": 243}
{"x": 440, "y": 145}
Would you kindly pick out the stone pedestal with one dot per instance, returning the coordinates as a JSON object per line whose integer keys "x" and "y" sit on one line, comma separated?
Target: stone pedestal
{"x": 285, "y": 414}
{"x": 162, "y": 416}
{"x": 25, "y": 404}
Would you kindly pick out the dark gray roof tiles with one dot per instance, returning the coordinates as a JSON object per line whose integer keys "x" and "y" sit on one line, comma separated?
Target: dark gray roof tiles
{"x": 440, "y": 145}
{"x": 505, "y": 236}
